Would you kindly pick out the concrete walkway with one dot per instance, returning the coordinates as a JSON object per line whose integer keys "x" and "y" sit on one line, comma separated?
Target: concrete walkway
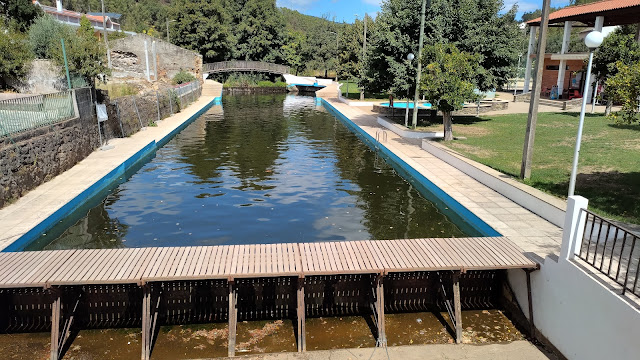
{"x": 520, "y": 350}
{"x": 530, "y": 232}
{"x": 36, "y": 206}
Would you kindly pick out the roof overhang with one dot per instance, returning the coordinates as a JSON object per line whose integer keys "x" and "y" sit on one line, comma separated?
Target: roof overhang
{"x": 615, "y": 12}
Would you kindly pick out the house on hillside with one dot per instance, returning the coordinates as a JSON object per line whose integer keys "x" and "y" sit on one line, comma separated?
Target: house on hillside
{"x": 72, "y": 18}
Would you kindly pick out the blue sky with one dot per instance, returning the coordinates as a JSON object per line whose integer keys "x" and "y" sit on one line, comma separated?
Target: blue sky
{"x": 347, "y": 9}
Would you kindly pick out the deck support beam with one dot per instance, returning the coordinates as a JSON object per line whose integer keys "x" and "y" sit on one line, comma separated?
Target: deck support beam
{"x": 146, "y": 322}
{"x": 233, "y": 317}
{"x": 59, "y": 337}
{"x": 301, "y": 316}
{"x": 56, "y": 312}
{"x": 380, "y": 321}
{"x": 457, "y": 306}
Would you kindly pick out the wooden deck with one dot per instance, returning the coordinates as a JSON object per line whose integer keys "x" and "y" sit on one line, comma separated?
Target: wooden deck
{"x": 143, "y": 265}
{"x": 55, "y": 270}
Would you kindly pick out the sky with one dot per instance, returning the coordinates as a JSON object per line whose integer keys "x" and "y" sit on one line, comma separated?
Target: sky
{"x": 347, "y": 10}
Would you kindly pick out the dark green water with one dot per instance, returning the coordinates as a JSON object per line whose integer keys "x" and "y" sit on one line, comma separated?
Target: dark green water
{"x": 267, "y": 169}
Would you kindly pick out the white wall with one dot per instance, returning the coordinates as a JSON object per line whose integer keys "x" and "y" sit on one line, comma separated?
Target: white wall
{"x": 579, "y": 315}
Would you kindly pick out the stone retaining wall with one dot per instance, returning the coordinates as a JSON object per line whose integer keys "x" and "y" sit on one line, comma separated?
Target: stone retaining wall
{"x": 33, "y": 157}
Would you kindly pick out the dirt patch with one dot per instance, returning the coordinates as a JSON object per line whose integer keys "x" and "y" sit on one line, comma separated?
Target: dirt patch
{"x": 470, "y": 131}
{"x": 633, "y": 145}
{"x": 257, "y": 335}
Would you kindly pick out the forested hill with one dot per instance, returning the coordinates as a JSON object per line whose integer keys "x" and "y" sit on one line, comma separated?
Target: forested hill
{"x": 150, "y": 16}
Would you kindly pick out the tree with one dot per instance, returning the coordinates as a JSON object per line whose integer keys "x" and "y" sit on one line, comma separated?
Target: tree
{"x": 624, "y": 88}
{"x": 203, "y": 26}
{"x": 474, "y": 26}
{"x": 292, "y": 50}
{"x": 449, "y": 79}
{"x": 15, "y": 55}
{"x": 618, "y": 47}
{"x": 350, "y": 51}
{"x": 45, "y": 35}
{"x": 85, "y": 55}
{"x": 258, "y": 30}
{"x": 19, "y": 14}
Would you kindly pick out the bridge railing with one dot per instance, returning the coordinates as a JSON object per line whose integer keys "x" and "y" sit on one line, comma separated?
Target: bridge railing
{"x": 240, "y": 65}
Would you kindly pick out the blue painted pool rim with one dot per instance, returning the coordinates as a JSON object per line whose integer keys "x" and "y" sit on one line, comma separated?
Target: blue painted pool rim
{"x": 150, "y": 149}
{"x": 103, "y": 183}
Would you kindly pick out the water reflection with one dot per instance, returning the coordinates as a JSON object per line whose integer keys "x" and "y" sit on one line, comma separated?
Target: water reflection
{"x": 268, "y": 168}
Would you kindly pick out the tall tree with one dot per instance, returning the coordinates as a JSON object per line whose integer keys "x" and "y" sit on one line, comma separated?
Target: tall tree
{"x": 203, "y": 26}
{"x": 350, "y": 51}
{"x": 19, "y": 14}
{"x": 45, "y": 35}
{"x": 624, "y": 87}
{"x": 258, "y": 30}
{"x": 15, "y": 55}
{"x": 292, "y": 50}
{"x": 86, "y": 57}
{"x": 449, "y": 79}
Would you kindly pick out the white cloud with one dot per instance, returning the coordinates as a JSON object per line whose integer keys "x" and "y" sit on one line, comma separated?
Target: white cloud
{"x": 372, "y": 2}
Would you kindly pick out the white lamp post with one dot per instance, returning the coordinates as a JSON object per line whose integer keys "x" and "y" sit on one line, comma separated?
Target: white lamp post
{"x": 410, "y": 58}
{"x": 592, "y": 40}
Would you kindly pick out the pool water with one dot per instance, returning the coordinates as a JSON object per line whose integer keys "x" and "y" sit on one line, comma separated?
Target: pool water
{"x": 261, "y": 169}
{"x": 403, "y": 105}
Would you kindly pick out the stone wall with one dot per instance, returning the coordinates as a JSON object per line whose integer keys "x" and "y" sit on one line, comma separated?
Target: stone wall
{"x": 43, "y": 77}
{"x": 32, "y": 157}
{"x": 129, "y": 61}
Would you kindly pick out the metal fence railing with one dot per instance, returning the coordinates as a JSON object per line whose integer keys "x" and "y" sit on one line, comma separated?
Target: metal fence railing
{"x": 611, "y": 250}
{"x": 240, "y": 65}
{"x": 138, "y": 111}
{"x": 20, "y": 114}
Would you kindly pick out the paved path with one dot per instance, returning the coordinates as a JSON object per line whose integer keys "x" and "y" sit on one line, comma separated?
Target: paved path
{"x": 37, "y": 205}
{"x": 529, "y": 231}
{"x": 517, "y": 350}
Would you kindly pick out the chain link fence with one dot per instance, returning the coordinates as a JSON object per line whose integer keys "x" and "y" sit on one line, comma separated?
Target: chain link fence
{"x": 127, "y": 115}
{"x": 21, "y": 114}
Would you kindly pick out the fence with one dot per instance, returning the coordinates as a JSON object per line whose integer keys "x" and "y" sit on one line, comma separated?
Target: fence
{"x": 129, "y": 114}
{"x": 17, "y": 115}
{"x": 611, "y": 250}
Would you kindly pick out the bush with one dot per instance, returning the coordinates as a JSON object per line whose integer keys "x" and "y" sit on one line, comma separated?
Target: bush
{"x": 183, "y": 77}
{"x": 45, "y": 35}
{"x": 15, "y": 55}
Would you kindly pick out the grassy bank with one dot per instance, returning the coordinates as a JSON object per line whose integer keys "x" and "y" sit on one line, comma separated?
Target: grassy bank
{"x": 609, "y": 168}
{"x": 354, "y": 92}
{"x": 252, "y": 81}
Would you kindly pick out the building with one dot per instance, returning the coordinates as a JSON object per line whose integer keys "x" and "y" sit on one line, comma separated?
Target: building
{"x": 564, "y": 69}
{"x": 72, "y": 18}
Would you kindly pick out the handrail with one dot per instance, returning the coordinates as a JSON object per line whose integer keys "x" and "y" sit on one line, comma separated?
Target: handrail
{"x": 26, "y": 113}
{"x": 241, "y": 65}
{"x": 612, "y": 250}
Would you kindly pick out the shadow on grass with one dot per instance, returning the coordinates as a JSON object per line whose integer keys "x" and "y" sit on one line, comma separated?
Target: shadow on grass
{"x": 426, "y": 120}
{"x": 635, "y": 127}
{"x": 613, "y": 194}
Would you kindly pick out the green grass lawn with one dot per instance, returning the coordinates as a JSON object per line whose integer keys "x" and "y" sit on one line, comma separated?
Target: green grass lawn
{"x": 609, "y": 167}
{"x": 354, "y": 92}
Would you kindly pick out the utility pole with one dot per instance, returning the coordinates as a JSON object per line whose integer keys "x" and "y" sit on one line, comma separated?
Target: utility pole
{"x": 414, "y": 120}
{"x": 527, "y": 152}
{"x": 364, "y": 51}
{"x": 104, "y": 33}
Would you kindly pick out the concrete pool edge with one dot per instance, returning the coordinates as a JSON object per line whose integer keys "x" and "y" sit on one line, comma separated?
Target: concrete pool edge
{"x": 104, "y": 182}
{"x": 465, "y": 214}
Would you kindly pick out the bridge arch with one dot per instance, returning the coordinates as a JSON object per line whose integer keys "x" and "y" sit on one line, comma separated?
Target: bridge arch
{"x": 241, "y": 65}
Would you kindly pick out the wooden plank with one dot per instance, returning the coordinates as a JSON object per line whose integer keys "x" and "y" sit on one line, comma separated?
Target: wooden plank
{"x": 168, "y": 261}
{"x": 21, "y": 270}
{"x": 233, "y": 319}
{"x": 127, "y": 266}
{"x": 38, "y": 274}
{"x": 280, "y": 259}
{"x": 109, "y": 257}
{"x": 143, "y": 261}
{"x": 489, "y": 256}
{"x": 56, "y": 312}
{"x": 421, "y": 256}
{"x": 233, "y": 264}
{"x": 44, "y": 276}
{"x": 120, "y": 257}
{"x": 301, "y": 316}
{"x": 448, "y": 256}
{"x": 101, "y": 263}
{"x": 214, "y": 265}
{"x": 297, "y": 255}
{"x": 457, "y": 306}
{"x": 205, "y": 256}
{"x": 184, "y": 262}
{"x": 154, "y": 266}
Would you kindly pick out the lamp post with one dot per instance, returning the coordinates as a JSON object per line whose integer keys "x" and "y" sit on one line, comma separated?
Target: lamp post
{"x": 169, "y": 21}
{"x": 410, "y": 58}
{"x": 592, "y": 40}
{"x": 515, "y": 86}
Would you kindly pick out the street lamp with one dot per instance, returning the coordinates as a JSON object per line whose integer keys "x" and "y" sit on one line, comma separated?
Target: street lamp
{"x": 410, "y": 58}
{"x": 592, "y": 40}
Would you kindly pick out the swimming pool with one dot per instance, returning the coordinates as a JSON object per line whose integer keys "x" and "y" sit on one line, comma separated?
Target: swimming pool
{"x": 267, "y": 169}
{"x": 403, "y": 105}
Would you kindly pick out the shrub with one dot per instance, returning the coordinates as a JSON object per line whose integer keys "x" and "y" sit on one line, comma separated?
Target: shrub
{"x": 183, "y": 77}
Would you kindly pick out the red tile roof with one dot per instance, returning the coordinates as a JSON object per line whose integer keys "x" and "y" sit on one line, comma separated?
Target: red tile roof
{"x": 593, "y": 9}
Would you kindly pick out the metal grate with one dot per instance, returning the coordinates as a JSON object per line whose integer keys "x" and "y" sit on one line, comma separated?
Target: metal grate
{"x": 17, "y": 115}
{"x": 612, "y": 250}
